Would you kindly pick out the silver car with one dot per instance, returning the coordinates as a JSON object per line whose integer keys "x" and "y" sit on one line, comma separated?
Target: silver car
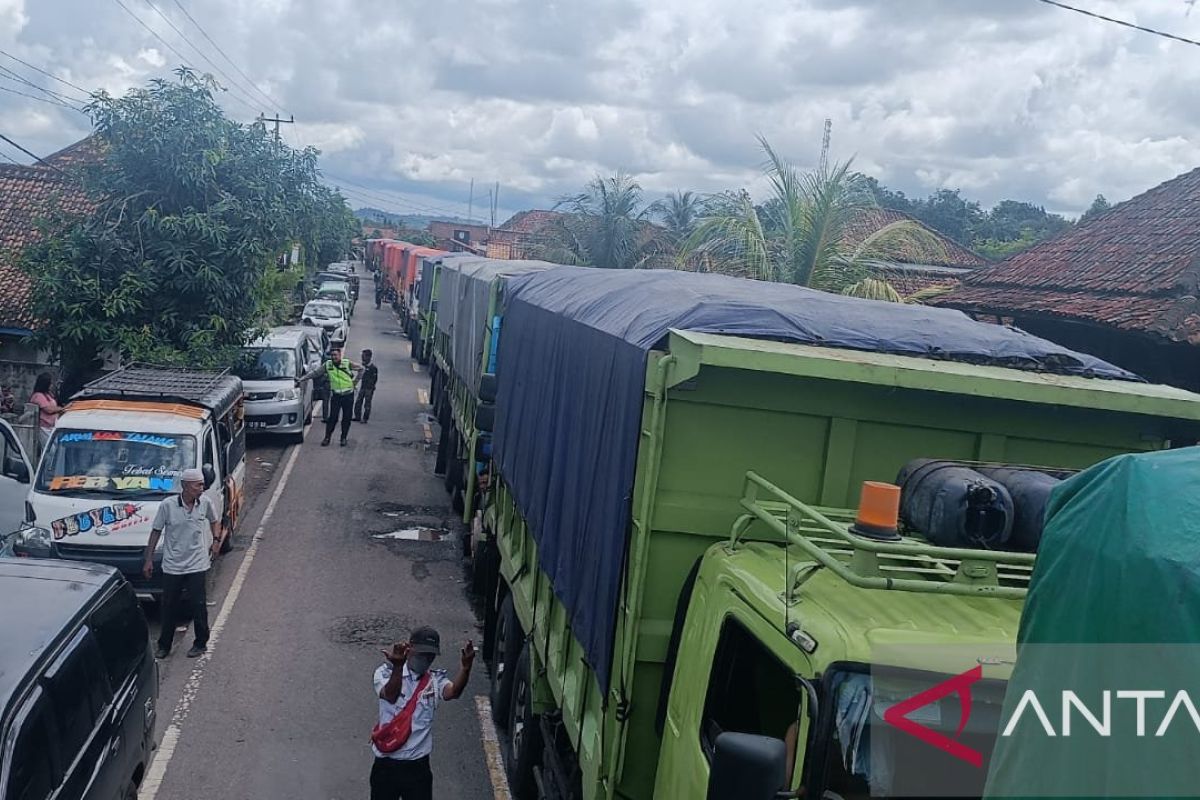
{"x": 269, "y": 369}
{"x": 330, "y": 315}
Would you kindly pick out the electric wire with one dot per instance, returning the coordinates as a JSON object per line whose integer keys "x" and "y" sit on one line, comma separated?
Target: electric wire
{"x": 1122, "y": 22}
{"x": 232, "y": 63}
{"x": 47, "y": 74}
{"x": 414, "y": 204}
{"x": 62, "y": 99}
{"x": 166, "y": 44}
{"x": 36, "y": 158}
{"x": 54, "y": 103}
{"x": 232, "y": 84}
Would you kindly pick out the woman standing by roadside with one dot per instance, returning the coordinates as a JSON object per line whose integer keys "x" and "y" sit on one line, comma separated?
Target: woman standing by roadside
{"x": 48, "y": 407}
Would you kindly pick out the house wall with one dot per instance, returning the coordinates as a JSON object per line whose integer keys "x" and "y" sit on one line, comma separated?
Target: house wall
{"x": 20, "y": 364}
{"x": 459, "y": 232}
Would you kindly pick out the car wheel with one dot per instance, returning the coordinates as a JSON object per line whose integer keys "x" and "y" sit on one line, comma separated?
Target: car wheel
{"x": 131, "y": 791}
{"x": 524, "y": 732}
{"x": 504, "y": 660}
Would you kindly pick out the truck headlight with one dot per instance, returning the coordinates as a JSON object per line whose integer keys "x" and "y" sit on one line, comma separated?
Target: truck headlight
{"x": 290, "y": 393}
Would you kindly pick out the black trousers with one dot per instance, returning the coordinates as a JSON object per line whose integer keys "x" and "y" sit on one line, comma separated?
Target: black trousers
{"x": 362, "y": 404}
{"x": 197, "y": 604}
{"x": 392, "y": 779}
{"x": 340, "y": 405}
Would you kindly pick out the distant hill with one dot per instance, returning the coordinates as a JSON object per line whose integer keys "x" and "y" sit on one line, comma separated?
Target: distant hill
{"x": 413, "y": 221}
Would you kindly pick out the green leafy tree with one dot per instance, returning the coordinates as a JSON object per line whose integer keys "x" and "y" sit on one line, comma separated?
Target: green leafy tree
{"x": 607, "y": 222}
{"x": 1098, "y": 206}
{"x": 799, "y": 234}
{"x": 178, "y": 259}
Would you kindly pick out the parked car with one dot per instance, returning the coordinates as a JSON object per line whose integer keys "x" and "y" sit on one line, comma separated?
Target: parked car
{"x": 15, "y": 473}
{"x": 78, "y": 683}
{"x": 269, "y": 369}
{"x": 329, "y": 315}
{"x": 339, "y": 291}
{"x": 119, "y": 450}
{"x": 337, "y": 277}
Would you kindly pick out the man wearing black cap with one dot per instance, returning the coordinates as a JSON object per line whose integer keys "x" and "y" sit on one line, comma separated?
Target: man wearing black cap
{"x": 405, "y": 774}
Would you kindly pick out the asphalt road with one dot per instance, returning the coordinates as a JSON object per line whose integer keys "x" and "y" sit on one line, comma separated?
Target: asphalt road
{"x": 283, "y": 705}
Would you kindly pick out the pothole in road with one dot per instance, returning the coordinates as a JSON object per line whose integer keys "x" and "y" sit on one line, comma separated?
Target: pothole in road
{"x": 398, "y": 442}
{"x": 373, "y": 630}
{"x": 412, "y": 523}
{"x": 393, "y": 333}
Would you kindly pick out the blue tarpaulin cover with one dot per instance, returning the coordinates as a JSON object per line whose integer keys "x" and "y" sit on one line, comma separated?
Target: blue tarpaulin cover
{"x": 571, "y": 371}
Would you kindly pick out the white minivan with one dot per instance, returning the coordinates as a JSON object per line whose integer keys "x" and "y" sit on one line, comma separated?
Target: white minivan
{"x": 269, "y": 368}
{"x": 118, "y": 450}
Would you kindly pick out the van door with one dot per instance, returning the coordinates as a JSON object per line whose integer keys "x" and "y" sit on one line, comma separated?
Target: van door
{"x": 15, "y": 472}
{"x": 214, "y": 489}
{"x": 30, "y": 770}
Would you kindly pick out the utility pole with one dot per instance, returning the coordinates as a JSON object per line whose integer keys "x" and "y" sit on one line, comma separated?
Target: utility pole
{"x": 291, "y": 120}
{"x": 495, "y": 202}
{"x": 471, "y": 203}
{"x": 825, "y": 143}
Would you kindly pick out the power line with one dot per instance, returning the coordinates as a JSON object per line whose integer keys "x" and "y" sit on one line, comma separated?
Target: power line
{"x": 10, "y": 159}
{"x": 1122, "y": 22}
{"x": 54, "y": 103}
{"x": 232, "y": 63}
{"x": 38, "y": 159}
{"x": 47, "y": 74}
{"x": 422, "y": 207}
{"x": 232, "y": 83}
{"x": 61, "y": 99}
{"x": 166, "y": 44}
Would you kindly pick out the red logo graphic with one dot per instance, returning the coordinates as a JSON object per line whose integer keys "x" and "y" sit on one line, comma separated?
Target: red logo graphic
{"x": 897, "y": 715}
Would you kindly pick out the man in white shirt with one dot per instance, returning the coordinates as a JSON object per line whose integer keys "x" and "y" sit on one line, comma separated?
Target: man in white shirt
{"x": 191, "y": 532}
{"x": 405, "y": 774}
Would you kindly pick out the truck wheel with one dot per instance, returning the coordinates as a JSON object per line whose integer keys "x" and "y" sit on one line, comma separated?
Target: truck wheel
{"x": 524, "y": 733}
{"x": 452, "y": 462}
{"x": 504, "y": 660}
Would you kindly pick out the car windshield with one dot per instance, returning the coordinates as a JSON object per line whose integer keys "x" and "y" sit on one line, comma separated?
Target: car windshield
{"x": 267, "y": 364}
{"x": 115, "y": 463}
{"x": 323, "y": 311}
{"x": 868, "y": 757}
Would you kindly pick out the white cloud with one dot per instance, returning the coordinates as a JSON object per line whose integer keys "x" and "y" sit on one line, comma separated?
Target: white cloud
{"x": 1002, "y": 99}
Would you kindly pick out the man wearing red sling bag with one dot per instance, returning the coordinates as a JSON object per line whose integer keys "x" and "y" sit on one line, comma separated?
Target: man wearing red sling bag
{"x": 404, "y": 774}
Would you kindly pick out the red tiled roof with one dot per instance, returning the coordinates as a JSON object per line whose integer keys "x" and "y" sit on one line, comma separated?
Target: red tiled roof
{"x": 908, "y": 280}
{"x": 1135, "y": 267}
{"x": 28, "y": 195}
{"x": 946, "y": 253}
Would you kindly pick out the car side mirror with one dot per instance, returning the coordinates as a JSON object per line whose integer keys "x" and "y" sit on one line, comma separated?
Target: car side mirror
{"x": 210, "y": 475}
{"x": 747, "y": 767}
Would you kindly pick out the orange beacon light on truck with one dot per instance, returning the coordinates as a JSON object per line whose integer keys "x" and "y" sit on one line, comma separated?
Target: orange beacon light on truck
{"x": 878, "y": 511}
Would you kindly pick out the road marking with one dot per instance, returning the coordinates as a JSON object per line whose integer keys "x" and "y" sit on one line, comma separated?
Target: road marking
{"x": 166, "y": 748}
{"x": 427, "y": 432}
{"x": 491, "y": 749}
{"x": 423, "y": 396}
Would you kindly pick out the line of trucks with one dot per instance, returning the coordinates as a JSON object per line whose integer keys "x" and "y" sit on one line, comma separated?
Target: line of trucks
{"x": 683, "y": 594}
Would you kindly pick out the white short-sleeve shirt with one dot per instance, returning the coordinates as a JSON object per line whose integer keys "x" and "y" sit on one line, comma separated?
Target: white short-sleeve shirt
{"x": 420, "y": 741}
{"x": 186, "y": 534}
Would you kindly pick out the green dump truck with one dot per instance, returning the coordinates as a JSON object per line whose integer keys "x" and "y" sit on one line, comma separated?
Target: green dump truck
{"x": 672, "y": 590}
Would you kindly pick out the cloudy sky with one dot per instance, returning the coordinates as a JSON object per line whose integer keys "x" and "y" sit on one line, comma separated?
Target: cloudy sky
{"x": 409, "y": 101}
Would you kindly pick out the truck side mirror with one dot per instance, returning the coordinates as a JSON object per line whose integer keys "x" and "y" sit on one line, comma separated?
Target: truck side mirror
{"x": 747, "y": 767}
{"x": 210, "y": 475}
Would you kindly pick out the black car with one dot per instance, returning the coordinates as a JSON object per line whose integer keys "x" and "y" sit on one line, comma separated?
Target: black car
{"x": 78, "y": 683}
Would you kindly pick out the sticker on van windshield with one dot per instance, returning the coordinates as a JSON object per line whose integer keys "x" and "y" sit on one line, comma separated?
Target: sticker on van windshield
{"x": 118, "y": 436}
{"x": 153, "y": 483}
{"x": 114, "y": 517}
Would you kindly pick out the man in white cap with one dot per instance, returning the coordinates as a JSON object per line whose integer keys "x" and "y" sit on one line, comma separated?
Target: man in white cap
{"x": 191, "y": 532}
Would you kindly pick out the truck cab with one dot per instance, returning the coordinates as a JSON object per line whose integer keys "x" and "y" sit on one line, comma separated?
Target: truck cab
{"x": 118, "y": 451}
{"x": 816, "y": 667}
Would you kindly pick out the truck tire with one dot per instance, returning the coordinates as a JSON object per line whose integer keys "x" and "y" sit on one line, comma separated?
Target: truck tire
{"x": 504, "y": 659}
{"x": 453, "y": 465}
{"x": 524, "y": 732}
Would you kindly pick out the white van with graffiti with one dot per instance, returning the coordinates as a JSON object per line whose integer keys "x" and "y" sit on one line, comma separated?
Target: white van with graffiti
{"x": 119, "y": 450}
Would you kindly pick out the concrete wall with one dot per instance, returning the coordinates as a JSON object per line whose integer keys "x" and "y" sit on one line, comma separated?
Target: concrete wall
{"x": 20, "y": 364}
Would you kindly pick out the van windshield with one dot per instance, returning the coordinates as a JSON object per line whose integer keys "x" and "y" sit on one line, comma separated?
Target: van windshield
{"x": 114, "y": 463}
{"x": 323, "y": 311}
{"x": 267, "y": 364}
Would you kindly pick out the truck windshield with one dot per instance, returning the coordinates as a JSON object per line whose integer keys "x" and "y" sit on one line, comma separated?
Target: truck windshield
{"x": 868, "y": 757}
{"x": 267, "y": 364}
{"x": 114, "y": 463}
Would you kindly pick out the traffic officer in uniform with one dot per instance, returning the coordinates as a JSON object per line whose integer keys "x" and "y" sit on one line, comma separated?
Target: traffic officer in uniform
{"x": 405, "y": 774}
{"x": 343, "y": 379}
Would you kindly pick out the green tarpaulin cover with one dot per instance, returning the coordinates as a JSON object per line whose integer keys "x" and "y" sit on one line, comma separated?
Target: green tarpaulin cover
{"x": 1113, "y": 611}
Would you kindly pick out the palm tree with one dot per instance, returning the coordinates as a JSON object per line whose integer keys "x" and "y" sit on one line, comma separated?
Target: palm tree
{"x": 678, "y": 212}
{"x": 608, "y": 222}
{"x": 799, "y": 234}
